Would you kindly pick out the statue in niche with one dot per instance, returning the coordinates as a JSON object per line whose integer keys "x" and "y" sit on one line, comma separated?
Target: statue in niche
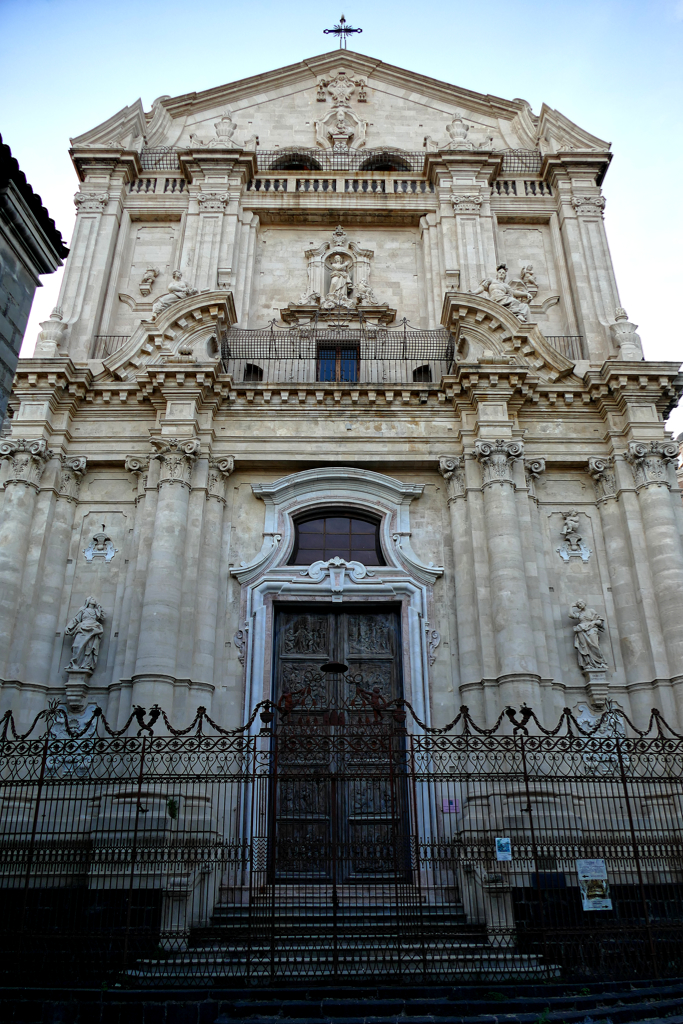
{"x": 86, "y": 629}
{"x": 586, "y": 637}
{"x": 177, "y": 290}
{"x": 340, "y": 281}
{"x": 148, "y": 279}
{"x": 341, "y": 134}
{"x": 516, "y": 298}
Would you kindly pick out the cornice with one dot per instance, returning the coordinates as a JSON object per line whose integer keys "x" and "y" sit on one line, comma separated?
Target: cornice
{"x": 197, "y": 163}
{"x": 618, "y": 384}
{"x": 106, "y": 160}
{"x": 557, "y": 166}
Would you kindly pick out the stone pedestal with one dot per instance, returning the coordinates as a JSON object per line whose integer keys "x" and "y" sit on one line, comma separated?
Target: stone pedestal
{"x": 597, "y": 686}
{"x": 77, "y": 689}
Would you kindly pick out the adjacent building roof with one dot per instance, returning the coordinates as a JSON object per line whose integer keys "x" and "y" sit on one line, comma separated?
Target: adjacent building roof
{"x": 11, "y": 172}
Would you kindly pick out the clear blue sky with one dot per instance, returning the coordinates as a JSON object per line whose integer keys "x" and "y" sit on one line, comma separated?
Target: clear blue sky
{"x": 615, "y": 68}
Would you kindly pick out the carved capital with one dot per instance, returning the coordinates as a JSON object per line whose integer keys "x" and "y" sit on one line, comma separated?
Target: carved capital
{"x": 532, "y": 470}
{"x": 604, "y": 477}
{"x": 452, "y": 469}
{"x": 497, "y": 458}
{"x": 177, "y": 456}
{"x": 73, "y": 469}
{"x": 649, "y": 461}
{"x": 136, "y": 464}
{"x": 219, "y": 471}
{"x": 470, "y": 203}
{"x": 589, "y": 206}
{"x": 27, "y": 460}
{"x": 212, "y": 202}
{"x": 91, "y": 202}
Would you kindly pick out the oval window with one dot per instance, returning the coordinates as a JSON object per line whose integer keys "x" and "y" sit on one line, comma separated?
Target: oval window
{"x": 336, "y": 535}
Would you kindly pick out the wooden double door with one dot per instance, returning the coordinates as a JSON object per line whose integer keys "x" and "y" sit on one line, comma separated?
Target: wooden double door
{"x": 340, "y": 790}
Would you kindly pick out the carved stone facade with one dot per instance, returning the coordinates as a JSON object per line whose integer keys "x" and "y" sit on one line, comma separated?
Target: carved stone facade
{"x": 370, "y": 315}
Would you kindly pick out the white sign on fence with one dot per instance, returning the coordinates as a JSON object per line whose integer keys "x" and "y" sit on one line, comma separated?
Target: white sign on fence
{"x": 503, "y": 848}
{"x": 593, "y": 885}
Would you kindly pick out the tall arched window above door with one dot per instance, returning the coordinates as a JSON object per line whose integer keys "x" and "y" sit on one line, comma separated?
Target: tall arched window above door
{"x": 337, "y": 534}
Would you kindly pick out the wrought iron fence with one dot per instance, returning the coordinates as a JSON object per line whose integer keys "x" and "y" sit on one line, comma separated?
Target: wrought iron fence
{"x": 332, "y": 353}
{"x": 339, "y": 843}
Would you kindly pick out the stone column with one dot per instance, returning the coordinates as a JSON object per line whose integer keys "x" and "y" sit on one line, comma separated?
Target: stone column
{"x": 649, "y": 462}
{"x": 49, "y": 595}
{"x": 27, "y": 461}
{"x": 518, "y": 676}
{"x": 208, "y": 585}
{"x": 464, "y": 586}
{"x": 155, "y": 666}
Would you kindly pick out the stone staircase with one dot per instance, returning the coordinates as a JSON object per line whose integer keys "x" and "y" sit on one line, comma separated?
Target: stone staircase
{"x": 271, "y": 943}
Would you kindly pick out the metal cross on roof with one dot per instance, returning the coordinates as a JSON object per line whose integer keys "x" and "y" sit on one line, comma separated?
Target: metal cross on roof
{"x": 342, "y": 30}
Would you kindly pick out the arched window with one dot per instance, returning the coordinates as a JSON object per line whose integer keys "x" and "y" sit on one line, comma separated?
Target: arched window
{"x": 422, "y": 374}
{"x": 295, "y": 161}
{"x": 336, "y": 534}
{"x": 385, "y": 162}
{"x": 252, "y": 372}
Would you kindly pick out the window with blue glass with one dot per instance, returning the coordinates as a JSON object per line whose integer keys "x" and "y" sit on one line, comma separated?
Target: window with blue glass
{"x": 338, "y": 363}
{"x": 336, "y": 535}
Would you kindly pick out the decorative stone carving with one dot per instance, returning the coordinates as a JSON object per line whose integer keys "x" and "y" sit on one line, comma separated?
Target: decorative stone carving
{"x": 51, "y": 336}
{"x": 337, "y": 568}
{"x": 27, "y": 460}
{"x": 136, "y": 464}
{"x": 87, "y": 630}
{"x": 457, "y": 131}
{"x": 433, "y": 638}
{"x": 177, "y": 456}
{"x": 624, "y": 336}
{"x": 148, "y": 279}
{"x": 219, "y": 471}
{"x": 177, "y": 290}
{"x": 528, "y": 279}
{"x": 70, "y": 479}
{"x": 649, "y": 461}
{"x": 225, "y": 129}
{"x": 338, "y": 276}
{"x": 513, "y": 296}
{"x": 340, "y": 88}
{"x": 211, "y": 202}
{"x": 497, "y": 458}
{"x": 604, "y": 477}
{"x": 572, "y": 545}
{"x": 591, "y": 206}
{"x": 532, "y": 470}
{"x": 100, "y": 547}
{"x": 452, "y": 469}
{"x": 466, "y": 202}
{"x": 240, "y": 641}
{"x": 91, "y": 202}
{"x": 591, "y": 660}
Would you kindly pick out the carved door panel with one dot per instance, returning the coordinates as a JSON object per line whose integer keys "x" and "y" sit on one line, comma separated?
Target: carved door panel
{"x": 340, "y": 803}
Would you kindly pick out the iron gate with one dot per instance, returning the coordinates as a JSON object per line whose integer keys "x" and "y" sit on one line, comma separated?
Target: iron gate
{"x": 155, "y": 856}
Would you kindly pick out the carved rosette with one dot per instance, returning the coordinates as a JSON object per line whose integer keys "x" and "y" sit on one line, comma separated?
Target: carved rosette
{"x": 91, "y": 202}
{"x": 72, "y": 473}
{"x": 470, "y": 203}
{"x": 589, "y": 206}
{"x": 212, "y": 202}
{"x": 649, "y": 461}
{"x": 532, "y": 470}
{"x": 604, "y": 477}
{"x": 219, "y": 471}
{"x": 177, "y": 457}
{"x": 452, "y": 469}
{"x": 497, "y": 459}
{"x": 27, "y": 461}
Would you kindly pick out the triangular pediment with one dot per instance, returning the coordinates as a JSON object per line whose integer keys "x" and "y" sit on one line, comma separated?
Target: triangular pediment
{"x": 281, "y": 108}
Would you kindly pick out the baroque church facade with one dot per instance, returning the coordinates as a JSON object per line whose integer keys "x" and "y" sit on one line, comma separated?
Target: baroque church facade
{"x": 340, "y": 374}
